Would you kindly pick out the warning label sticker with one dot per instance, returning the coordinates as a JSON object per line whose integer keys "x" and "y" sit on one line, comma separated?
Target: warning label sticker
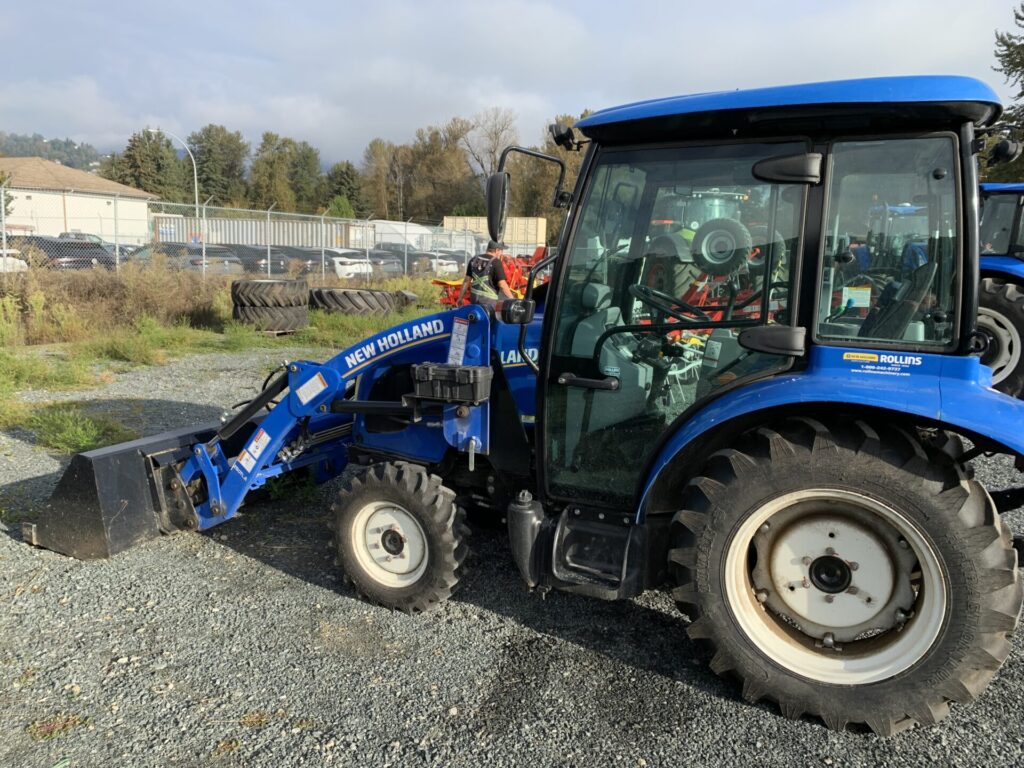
{"x": 259, "y": 443}
{"x": 246, "y": 460}
{"x": 311, "y": 388}
{"x": 712, "y": 351}
{"x": 457, "y": 350}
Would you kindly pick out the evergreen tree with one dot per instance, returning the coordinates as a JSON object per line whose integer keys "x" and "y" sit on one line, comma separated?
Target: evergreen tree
{"x": 150, "y": 163}
{"x": 221, "y": 156}
{"x": 1010, "y": 57}
{"x": 304, "y": 176}
{"x": 340, "y": 208}
{"x": 269, "y": 178}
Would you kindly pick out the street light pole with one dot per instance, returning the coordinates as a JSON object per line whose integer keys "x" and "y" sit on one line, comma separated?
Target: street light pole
{"x": 202, "y": 232}
{"x": 195, "y": 171}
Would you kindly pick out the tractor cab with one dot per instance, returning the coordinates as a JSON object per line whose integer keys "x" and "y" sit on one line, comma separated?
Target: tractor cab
{"x": 715, "y": 244}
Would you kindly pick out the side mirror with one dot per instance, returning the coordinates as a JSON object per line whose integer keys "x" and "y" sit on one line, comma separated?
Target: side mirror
{"x": 1006, "y": 151}
{"x": 497, "y": 204}
{"x": 563, "y": 136}
{"x": 515, "y": 311}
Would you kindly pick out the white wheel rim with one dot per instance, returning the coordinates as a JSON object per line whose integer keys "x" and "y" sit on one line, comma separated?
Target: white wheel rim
{"x": 719, "y": 246}
{"x": 858, "y": 662}
{"x": 389, "y": 544}
{"x": 1002, "y": 333}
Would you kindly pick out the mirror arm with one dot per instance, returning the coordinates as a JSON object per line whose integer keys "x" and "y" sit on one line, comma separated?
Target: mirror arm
{"x": 556, "y": 202}
{"x": 531, "y": 364}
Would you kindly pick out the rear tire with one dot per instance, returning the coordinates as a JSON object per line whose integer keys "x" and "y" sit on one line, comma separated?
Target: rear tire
{"x": 400, "y": 536}
{"x": 274, "y": 319}
{"x": 949, "y": 592}
{"x": 721, "y": 246}
{"x": 352, "y": 301}
{"x": 1001, "y": 319}
{"x": 269, "y": 293}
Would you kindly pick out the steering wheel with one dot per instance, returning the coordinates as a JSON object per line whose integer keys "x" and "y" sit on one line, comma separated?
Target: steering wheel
{"x": 667, "y": 304}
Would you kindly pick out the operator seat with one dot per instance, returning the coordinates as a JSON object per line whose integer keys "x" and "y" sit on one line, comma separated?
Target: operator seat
{"x": 598, "y": 316}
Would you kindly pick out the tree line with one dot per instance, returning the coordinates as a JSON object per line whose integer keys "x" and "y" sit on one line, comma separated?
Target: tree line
{"x": 440, "y": 172}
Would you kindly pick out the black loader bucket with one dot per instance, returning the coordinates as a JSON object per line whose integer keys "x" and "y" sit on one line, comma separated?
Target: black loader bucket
{"x": 113, "y": 498}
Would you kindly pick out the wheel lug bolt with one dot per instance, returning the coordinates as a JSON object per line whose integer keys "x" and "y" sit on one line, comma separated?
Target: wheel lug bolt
{"x": 852, "y": 590}
{"x": 765, "y": 528}
{"x": 829, "y": 640}
{"x": 830, "y": 598}
{"x": 829, "y": 551}
{"x": 806, "y": 584}
{"x": 903, "y": 544}
{"x": 762, "y": 595}
{"x": 854, "y": 566}
{"x": 806, "y": 561}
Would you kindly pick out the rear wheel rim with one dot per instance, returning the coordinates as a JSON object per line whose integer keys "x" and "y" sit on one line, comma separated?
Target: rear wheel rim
{"x": 1004, "y": 343}
{"x": 785, "y": 637}
{"x": 390, "y": 544}
{"x": 718, "y": 247}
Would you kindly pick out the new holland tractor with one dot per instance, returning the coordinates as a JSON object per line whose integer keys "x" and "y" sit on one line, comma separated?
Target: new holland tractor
{"x": 1001, "y": 310}
{"x": 789, "y": 454}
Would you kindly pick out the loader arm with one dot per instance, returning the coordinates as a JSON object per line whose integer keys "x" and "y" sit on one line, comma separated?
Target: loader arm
{"x": 112, "y": 498}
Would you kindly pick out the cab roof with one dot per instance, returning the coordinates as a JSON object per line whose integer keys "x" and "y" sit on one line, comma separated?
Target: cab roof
{"x": 936, "y": 101}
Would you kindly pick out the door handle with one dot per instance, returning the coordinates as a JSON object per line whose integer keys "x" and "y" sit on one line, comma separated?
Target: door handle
{"x": 609, "y": 383}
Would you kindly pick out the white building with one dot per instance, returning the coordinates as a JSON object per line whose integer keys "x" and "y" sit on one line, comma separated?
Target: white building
{"x": 49, "y": 198}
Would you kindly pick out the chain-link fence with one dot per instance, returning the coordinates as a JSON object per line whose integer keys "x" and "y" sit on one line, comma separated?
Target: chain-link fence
{"x": 65, "y": 229}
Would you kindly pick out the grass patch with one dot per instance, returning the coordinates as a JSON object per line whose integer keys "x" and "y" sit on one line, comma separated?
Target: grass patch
{"x": 32, "y": 371}
{"x": 52, "y": 727}
{"x": 66, "y": 428}
{"x": 226, "y": 747}
{"x": 337, "y": 331}
{"x": 254, "y": 719}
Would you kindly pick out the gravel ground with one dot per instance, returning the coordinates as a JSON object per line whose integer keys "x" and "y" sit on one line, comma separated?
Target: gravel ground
{"x": 244, "y": 647}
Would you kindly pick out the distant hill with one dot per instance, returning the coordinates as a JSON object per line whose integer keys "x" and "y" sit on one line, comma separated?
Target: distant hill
{"x": 63, "y": 151}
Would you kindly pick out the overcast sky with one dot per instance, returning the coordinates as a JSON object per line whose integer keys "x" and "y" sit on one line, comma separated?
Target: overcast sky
{"x": 338, "y": 74}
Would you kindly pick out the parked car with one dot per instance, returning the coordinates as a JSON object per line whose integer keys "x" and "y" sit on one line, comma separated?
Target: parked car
{"x": 11, "y": 261}
{"x": 349, "y": 263}
{"x": 385, "y": 263}
{"x": 86, "y": 237}
{"x": 62, "y": 253}
{"x": 189, "y": 257}
{"x": 399, "y": 249}
{"x": 254, "y": 258}
{"x": 301, "y": 259}
{"x": 429, "y": 262}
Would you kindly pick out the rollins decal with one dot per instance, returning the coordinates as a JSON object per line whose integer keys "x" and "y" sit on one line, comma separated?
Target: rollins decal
{"x": 394, "y": 340}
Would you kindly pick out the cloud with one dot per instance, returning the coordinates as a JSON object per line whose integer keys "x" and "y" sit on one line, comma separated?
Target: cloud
{"x": 340, "y": 74}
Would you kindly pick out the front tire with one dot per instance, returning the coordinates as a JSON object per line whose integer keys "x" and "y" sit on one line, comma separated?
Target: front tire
{"x": 1001, "y": 319}
{"x": 765, "y": 557}
{"x": 400, "y": 536}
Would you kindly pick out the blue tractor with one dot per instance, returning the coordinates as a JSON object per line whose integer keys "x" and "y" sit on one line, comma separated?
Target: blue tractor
{"x": 778, "y": 430}
{"x": 1001, "y": 301}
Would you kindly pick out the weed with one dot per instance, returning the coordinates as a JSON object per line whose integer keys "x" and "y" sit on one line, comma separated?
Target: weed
{"x": 254, "y": 719}
{"x": 66, "y": 428}
{"x": 226, "y": 747}
{"x": 26, "y": 677}
{"x": 52, "y": 727}
{"x": 294, "y": 486}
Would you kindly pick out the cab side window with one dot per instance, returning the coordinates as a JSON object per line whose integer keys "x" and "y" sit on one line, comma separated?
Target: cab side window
{"x": 891, "y": 259}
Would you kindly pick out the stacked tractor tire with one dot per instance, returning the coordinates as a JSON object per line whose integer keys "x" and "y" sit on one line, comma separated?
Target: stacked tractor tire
{"x": 282, "y": 306}
{"x": 275, "y": 306}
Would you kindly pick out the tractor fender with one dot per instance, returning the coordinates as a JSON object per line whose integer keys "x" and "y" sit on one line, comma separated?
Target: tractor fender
{"x": 1003, "y": 268}
{"x": 936, "y": 390}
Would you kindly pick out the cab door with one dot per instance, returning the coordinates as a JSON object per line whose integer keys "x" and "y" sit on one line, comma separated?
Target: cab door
{"x": 675, "y": 252}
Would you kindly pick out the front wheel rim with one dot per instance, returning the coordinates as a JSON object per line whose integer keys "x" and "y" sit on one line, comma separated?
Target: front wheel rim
{"x": 815, "y": 654}
{"x": 1003, "y": 354}
{"x": 389, "y": 543}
